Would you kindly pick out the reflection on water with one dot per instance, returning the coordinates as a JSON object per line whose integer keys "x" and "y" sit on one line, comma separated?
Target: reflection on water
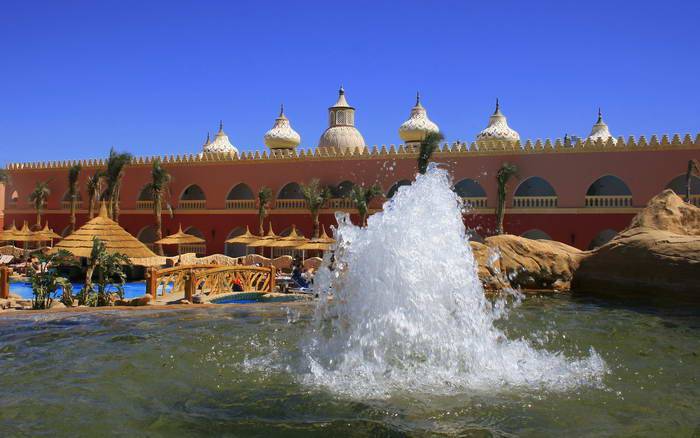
{"x": 239, "y": 371}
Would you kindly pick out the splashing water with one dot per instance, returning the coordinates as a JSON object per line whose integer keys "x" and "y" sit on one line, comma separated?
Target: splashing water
{"x": 408, "y": 312}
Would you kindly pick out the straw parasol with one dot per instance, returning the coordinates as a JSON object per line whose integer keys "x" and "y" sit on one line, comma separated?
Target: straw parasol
{"x": 179, "y": 238}
{"x": 266, "y": 240}
{"x": 47, "y": 234}
{"x": 246, "y": 237}
{"x": 320, "y": 243}
{"x": 26, "y": 235}
{"x": 115, "y": 238}
{"x": 8, "y": 234}
{"x": 292, "y": 240}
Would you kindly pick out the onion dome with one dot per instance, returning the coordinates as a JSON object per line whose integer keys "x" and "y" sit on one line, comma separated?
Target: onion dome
{"x": 221, "y": 143}
{"x": 418, "y": 125}
{"x": 600, "y": 130}
{"x": 341, "y": 134}
{"x": 498, "y": 128}
{"x": 282, "y": 136}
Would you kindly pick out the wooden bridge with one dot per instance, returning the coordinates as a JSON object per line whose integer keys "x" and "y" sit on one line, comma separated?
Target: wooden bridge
{"x": 209, "y": 279}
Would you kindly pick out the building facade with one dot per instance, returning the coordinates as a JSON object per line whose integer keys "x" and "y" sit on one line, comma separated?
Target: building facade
{"x": 579, "y": 193}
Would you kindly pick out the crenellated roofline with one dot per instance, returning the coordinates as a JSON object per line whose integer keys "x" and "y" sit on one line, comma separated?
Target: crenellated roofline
{"x": 484, "y": 147}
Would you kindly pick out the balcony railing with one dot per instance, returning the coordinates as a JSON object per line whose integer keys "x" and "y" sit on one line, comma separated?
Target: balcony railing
{"x": 479, "y": 202}
{"x": 197, "y": 248}
{"x": 240, "y": 204}
{"x": 144, "y": 205}
{"x": 340, "y": 203}
{"x": 609, "y": 201}
{"x": 535, "y": 201}
{"x": 65, "y": 205}
{"x": 290, "y": 204}
{"x": 192, "y": 204}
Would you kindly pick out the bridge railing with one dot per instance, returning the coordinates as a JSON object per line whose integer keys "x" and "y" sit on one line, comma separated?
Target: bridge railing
{"x": 209, "y": 279}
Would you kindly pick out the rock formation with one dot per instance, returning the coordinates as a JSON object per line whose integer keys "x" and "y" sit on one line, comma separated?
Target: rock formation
{"x": 658, "y": 253}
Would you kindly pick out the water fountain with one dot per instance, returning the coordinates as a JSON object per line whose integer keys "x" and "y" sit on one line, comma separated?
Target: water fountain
{"x": 406, "y": 310}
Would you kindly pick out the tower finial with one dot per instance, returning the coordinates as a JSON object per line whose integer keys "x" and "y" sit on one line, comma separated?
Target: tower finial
{"x": 600, "y": 115}
{"x": 498, "y": 106}
{"x": 281, "y": 109}
{"x": 342, "y": 90}
{"x": 417, "y": 98}
{"x": 221, "y": 126}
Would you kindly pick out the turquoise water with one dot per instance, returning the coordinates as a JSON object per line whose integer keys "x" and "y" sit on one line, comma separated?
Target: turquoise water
{"x": 241, "y": 371}
{"x": 131, "y": 290}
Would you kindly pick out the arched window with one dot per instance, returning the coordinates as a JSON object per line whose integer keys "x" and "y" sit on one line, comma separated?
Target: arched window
{"x": 147, "y": 235}
{"x": 193, "y": 198}
{"x": 343, "y": 189}
{"x": 392, "y": 191}
{"x": 678, "y": 185}
{"x": 194, "y": 231}
{"x": 536, "y": 234}
{"x": 608, "y": 185}
{"x": 291, "y": 191}
{"x": 146, "y": 194}
{"x": 235, "y": 249}
{"x": 239, "y": 192}
{"x": 602, "y": 238}
{"x": 197, "y": 248}
{"x": 472, "y": 192}
{"x": 535, "y": 192}
{"x": 14, "y": 198}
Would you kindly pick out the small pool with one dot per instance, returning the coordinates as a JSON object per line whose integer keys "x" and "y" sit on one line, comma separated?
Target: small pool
{"x": 131, "y": 290}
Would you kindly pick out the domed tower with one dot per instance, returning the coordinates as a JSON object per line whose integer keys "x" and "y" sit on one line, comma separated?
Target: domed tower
{"x": 221, "y": 143}
{"x": 600, "y": 130}
{"x": 498, "y": 129}
{"x": 418, "y": 125}
{"x": 341, "y": 134}
{"x": 281, "y": 138}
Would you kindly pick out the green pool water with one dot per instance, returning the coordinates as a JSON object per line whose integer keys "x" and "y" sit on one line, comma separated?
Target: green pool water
{"x": 238, "y": 371}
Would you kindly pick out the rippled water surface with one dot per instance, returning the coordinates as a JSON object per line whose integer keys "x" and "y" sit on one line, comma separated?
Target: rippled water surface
{"x": 239, "y": 371}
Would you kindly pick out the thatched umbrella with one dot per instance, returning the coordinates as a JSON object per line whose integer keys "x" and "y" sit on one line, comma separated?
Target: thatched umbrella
{"x": 292, "y": 240}
{"x": 115, "y": 238}
{"x": 25, "y": 235}
{"x": 179, "y": 238}
{"x": 246, "y": 237}
{"x": 320, "y": 243}
{"x": 47, "y": 234}
{"x": 8, "y": 234}
{"x": 265, "y": 241}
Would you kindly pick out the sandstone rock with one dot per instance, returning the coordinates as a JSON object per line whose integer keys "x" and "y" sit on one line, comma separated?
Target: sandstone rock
{"x": 14, "y": 296}
{"x": 57, "y": 305}
{"x": 518, "y": 262}
{"x": 658, "y": 253}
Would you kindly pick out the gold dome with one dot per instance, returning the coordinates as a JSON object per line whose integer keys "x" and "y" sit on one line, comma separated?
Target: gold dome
{"x": 498, "y": 129}
{"x": 281, "y": 135}
{"x": 418, "y": 125}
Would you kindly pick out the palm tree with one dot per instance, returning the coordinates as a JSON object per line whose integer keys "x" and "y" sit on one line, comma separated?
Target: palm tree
{"x": 159, "y": 187}
{"x": 38, "y": 199}
{"x": 693, "y": 170}
{"x": 361, "y": 197}
{"x": 430, "y": 144}
{"x": 73, "y": 174}
{"x": 315, "y": 196}
{"x": 4, "y": 176}
{"x": 94, "y": 190}
{"x": 114, "y": 175}
{"x": 108, "y": 267}
{"x": 264, "y": 198}
{"x": 504, "y": 174}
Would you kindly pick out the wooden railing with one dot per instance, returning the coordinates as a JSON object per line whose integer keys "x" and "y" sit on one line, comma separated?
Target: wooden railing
{"x": 144, "y": 205}
{"x": 4, "y": 282}
{"x": 197, "y": 248}
{"x": 534, "y": 201}
{"x": 192, "y": 204}
{"x": 479, "y": 202}
{"x": 340, "y": 203}
{"x": 65, "y": 205}
{"x": 209, "y": 279}
{"x": 290, "y": 203}
{"x": 609, "y": 201}
{"x": 240, "y": 204}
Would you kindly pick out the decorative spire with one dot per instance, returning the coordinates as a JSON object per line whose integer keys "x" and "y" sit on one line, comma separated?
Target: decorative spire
{"x": 418, "y": 98}
{"x": 221, "y": 126}
{"x": 600, "y": 116}
{"x": 498, "y": 107}
{"x": 342, "y": 90}
{"x": 281, "y": 110}
{"x": 600, "y": 130}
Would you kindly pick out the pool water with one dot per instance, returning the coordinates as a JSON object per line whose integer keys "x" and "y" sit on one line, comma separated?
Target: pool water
{"x": 131, "y": 290}
{"x": 240, "y": 371}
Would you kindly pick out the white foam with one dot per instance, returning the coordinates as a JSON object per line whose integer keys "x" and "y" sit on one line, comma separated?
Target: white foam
{"x": 408, "y": 312}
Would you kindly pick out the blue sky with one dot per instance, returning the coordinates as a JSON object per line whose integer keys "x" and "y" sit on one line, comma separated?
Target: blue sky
{"x": 152, "y": 77}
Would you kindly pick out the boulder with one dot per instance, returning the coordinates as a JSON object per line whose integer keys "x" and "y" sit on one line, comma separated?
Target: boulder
{"x": 140, "y": 301}
{"x": 518, "y": 262}
{"x": 57, "y": 305}
{"x": 658, "y": 253}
